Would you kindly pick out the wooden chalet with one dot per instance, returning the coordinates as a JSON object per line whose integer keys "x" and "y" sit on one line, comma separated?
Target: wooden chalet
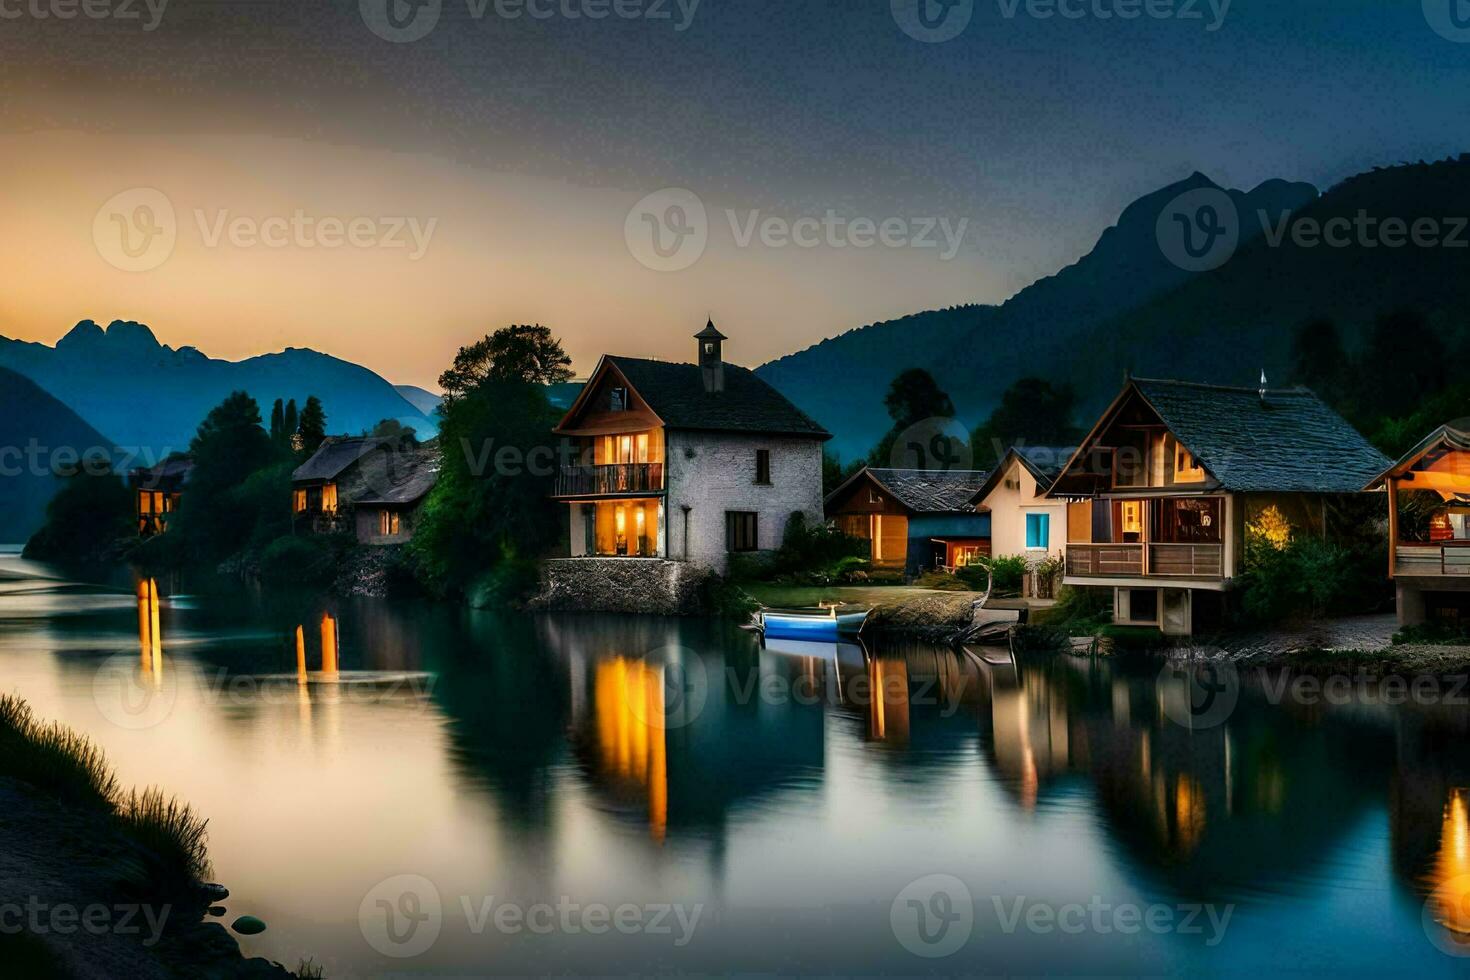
{"x": 913, "y": 520}
{"x": 1429, "y": 527}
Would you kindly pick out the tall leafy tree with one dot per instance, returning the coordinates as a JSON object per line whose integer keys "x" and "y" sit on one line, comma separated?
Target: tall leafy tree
{"x": 518, "y": 352}
{"x": 218, "y": 516}
{"x": 1032, "y": 412}
{"x": 1402, "y": 363}
{"x": 88, "y": 519}
{"x": 914, "y": 397}
{"x": 313, "y": 425}
{"x": 490, "y": 513}
{"x": 278, "y": 422}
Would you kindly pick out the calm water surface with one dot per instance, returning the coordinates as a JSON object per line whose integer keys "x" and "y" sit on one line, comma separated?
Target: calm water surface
{"x": 390, "y": 779}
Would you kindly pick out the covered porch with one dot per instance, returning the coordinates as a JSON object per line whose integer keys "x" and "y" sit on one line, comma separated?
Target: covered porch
{"x": 623, "y": 528}
{"x": 1148, "y": 537}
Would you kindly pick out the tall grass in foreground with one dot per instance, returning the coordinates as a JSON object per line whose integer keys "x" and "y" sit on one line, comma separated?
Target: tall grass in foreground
{"x": 68, "y": 767}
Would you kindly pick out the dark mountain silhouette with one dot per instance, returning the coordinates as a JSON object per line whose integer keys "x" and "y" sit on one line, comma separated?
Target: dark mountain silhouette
{"x": 1229, "y": 324}
{"x": 36, "y": 433}
{"x": 148, "y": 395}
{"x": 976, "y": 352}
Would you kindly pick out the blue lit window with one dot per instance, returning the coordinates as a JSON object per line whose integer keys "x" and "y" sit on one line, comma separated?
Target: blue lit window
{"x": 1038, "y": 531}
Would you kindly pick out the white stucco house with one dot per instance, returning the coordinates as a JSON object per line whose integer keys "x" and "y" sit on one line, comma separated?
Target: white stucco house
{"x": 686, "y": 462}
{"x": 1023, "y": 520}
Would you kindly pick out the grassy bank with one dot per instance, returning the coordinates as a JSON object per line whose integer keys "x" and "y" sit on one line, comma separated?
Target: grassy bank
{"x": 79, "y": 845}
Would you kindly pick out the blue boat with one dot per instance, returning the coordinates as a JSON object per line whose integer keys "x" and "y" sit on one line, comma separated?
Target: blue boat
{"x": 824, "y": 624}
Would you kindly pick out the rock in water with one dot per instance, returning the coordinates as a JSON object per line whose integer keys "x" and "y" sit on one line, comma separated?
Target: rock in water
{"x": 213, "y": 892}
{"x": 248, "y": 925}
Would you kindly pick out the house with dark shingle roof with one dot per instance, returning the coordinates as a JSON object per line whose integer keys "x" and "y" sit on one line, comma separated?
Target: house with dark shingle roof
{"x": 1163, "y": 489}
{"x": 1023, "y": 520}
{"x": 690, "y": 462}
{"x": 913, "y": 519}
{"x": 1429, "y": 527}
{"x": 370, "y": 486}
{"x": 157, "y": 491}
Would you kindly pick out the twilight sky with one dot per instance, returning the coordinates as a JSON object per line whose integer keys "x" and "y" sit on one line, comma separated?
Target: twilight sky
{"x": 246, "y": 176}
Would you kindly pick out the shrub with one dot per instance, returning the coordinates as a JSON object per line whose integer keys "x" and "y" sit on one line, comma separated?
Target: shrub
{"x": 1078, "y": 610}
{"x": 297, "y": 560}
{"x": 506, "y": 585}
{"x": 944, "y": 582}
{"x": 818, "y": 551}
{"x": 1007, "y": 571}
{"x": 1434, "y": 634}
{"x": 1309, "y": 577}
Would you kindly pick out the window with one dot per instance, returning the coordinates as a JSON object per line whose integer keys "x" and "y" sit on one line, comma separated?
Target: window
{"x": 298, "y": 501}
{"x": 388, "y": 522}
{"x": 1038, "y": 532}
{"x": 618, "y": 400}
{"x": 329, "y": 498}
{"x": 709, "y": 347}
{"x": 873, "y": 496}
{"x": 740, "y": 531}
{"x": 763, "y": 466}
{"x": 1186, "y": 468}
{"x": 1130, "y": 521}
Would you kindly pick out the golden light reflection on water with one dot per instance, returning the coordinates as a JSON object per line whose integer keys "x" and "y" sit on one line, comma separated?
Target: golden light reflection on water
{"x": 888, "y": 701}
{"x": 1449, "y": 877}
{"x": 629, "y": 707}
{"x": 150, "y": 635}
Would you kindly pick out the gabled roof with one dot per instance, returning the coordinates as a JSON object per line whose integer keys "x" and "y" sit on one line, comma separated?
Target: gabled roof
{"x": 170, "y": 474}
{"x": 922, "y": 491}
{"x": 1446, "y": 438}
{"x": 413, "y": 475}
{"x": 1288, "y": 441}
{"x": 1044, "y": 463}
{"x": 676, "y": 393}
{"x": 335, "y": 454}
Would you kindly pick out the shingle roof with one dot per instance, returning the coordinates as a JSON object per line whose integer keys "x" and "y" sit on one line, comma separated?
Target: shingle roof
{"x": 1288, "y": 442}
{"x": 676, "y": 393}
{"x": 1447, "y": 437}
{"x": 1045, "y": 462}
{"x": 931, "y": 491}
{"x": 170, "y": 474}
{"x": 414, "y": 475}
{"x": 335, "y": 454}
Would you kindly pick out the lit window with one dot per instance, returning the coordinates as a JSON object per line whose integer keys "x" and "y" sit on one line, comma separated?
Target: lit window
{"x": 1186, "y": 467}
{"x": 329, "y": 498}
{"x": 388, "y": 522}
{"x": 298, "y": 501}
{"x": 1130, "y": 518}
{"x": 1038, "y": 531}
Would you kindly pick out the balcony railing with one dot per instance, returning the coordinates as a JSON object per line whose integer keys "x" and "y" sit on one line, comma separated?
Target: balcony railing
{"x": 618, "y": 479}
{"x": 1192, "y": 561}
{"x": 1449, "y": 559}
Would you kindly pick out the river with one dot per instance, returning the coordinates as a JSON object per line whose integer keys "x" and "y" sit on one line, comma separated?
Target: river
{"x": 414, "y": 789}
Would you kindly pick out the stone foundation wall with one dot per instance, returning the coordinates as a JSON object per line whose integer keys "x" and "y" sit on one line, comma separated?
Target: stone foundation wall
{"x": 653, "y": 586}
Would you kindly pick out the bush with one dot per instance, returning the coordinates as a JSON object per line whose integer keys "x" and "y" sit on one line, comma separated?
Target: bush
{"x": 1007, "y": 571}
{"x": 1434, "y": 634}
{"x": 304, "y": 560}
{"x": 1309, "y": 577}
{"x": 945, "y": 582}
{"x": 506, "y": 585}
{"x": 90, "y": 520}
{"x": 1079, "y": 610}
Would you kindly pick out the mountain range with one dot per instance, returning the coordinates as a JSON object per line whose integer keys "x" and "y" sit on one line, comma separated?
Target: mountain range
{"x": 1124, "y": 307}
{"x": 149, "y": 397}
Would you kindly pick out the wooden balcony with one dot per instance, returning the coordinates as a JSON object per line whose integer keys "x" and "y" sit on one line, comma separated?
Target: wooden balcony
{"x": 1444, "y": 560}
{"x": 616, "y": 480}
{"x": 1161, "y": 561}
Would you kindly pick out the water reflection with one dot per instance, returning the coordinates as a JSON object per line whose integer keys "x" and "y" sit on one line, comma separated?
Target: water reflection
{"x": 616, "y": 758}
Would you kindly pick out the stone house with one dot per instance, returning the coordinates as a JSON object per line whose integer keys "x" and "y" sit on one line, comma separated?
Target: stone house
{"x": 683, "y": 464}
{"x": 367, "y": 486}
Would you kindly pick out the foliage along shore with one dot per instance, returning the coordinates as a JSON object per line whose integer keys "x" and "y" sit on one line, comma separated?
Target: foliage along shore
{"x": 107, "y": 882}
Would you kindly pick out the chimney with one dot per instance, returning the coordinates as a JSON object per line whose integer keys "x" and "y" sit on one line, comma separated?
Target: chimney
{"x": 711, "y": 357}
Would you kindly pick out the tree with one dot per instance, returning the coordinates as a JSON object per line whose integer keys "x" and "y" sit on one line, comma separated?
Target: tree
{"x": 1402, "y": 363}
{"x": 516, "y": 353}
{"x": 490, "y": 513}
{"x": 313, "y": 425}
{"x": 221, "y": 508}
{"x": 289, "y": 421}
{"x": 1032, "y": 412}
{"x": 395, "y": 430}
{"x": 87, "y": 520}
{"x": 1319, "y": 360}
{"x": 278, "y": 422}
{"x": 914, "y": 397}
